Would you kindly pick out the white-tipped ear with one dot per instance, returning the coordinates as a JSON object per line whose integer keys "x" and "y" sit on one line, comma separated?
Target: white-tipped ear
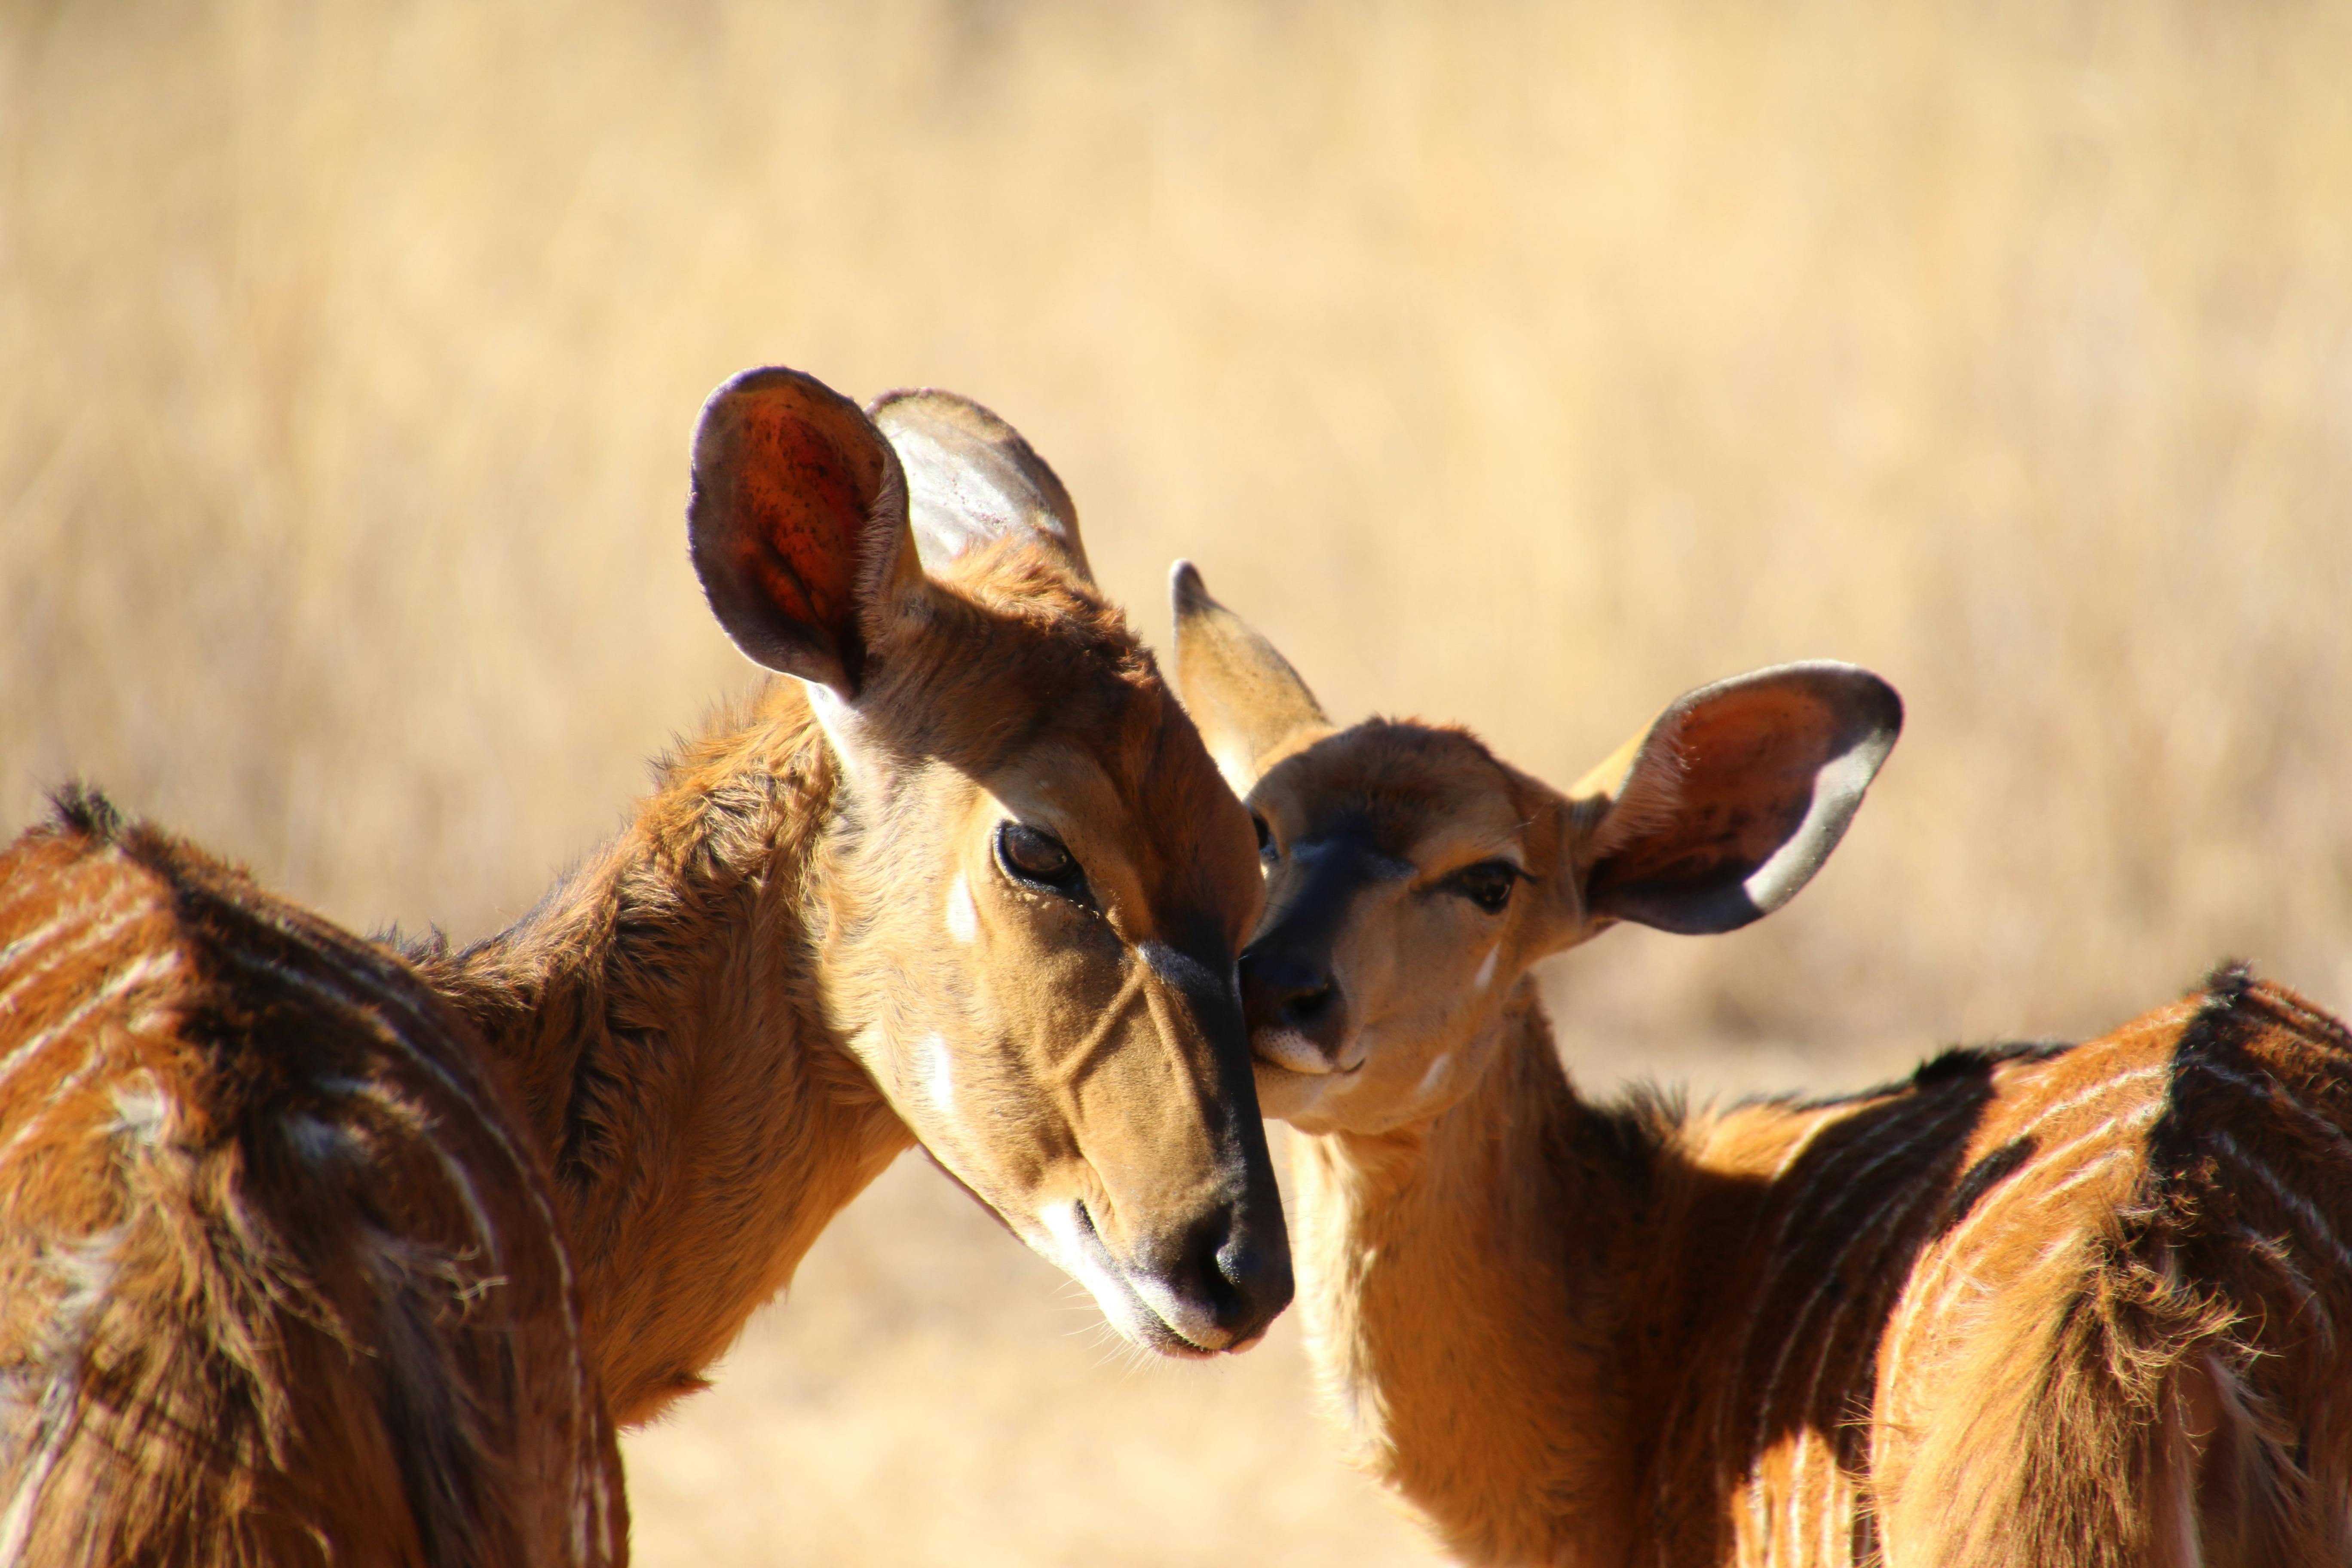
{"x": 1249, "y": 706}
{"x": 971, "y": 479}
{"x": 1730, "y": 802}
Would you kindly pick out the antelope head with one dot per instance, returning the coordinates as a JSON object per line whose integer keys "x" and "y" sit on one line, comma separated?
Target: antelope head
{"x": 1033, "y": 883}
{"x": 1412, "y": 876}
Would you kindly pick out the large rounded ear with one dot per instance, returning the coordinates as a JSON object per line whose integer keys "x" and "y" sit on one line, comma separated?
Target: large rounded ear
{"x": 1730, "y": 801}
{"x": 971, "y": 479}
{"x": 797, "y": 524}
{"x": 1249, "y": 705}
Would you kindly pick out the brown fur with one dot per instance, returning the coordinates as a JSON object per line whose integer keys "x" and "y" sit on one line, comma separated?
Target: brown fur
{"x": 316, "y": 1251}
{"x": 2035, "y": 1306}
{"x": 281, "y": 1278}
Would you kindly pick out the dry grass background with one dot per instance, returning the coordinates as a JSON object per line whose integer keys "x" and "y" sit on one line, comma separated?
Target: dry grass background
{"x": 1509, "y": 363}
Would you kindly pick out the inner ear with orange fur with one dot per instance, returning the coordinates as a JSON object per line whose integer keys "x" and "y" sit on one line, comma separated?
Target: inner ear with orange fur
{"x": 798, "y": 518}
{"x": 1737, "y": 796}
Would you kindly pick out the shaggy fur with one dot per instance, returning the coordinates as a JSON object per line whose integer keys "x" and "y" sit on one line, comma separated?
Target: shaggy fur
{"x": 281, "y": 1275}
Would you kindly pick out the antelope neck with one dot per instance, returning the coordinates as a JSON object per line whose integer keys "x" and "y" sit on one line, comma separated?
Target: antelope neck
{"x": 660, "y": 1017}
{"x": 1457, "y": 1276}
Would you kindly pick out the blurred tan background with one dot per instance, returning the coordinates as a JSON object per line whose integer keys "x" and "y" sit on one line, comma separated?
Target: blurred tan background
{"x": 1511, "y": 362}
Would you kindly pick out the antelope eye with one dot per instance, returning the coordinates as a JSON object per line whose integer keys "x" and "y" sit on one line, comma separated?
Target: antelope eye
{"x": 1487, "y": 884}
{"x": 1032, "y": 856}
{"x": 1266, "y": 849}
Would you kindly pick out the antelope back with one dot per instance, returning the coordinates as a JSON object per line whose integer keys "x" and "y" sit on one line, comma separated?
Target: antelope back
{"x": 1039, "y": 883}
{"x": 1413, "y": 875}
{"x": 276, "y": 1265}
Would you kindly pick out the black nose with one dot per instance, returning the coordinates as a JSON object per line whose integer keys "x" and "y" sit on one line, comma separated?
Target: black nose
{"x": 1245, "y": 1278}
{"x": 1283, "y": 991}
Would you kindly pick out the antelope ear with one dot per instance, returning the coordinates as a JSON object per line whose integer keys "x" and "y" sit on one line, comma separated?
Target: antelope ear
{"x": 1730, "y": 801}
{"x": 1249, "y": 705}
{"x": 971, "y": 479}
{"x": 797, "y": 523}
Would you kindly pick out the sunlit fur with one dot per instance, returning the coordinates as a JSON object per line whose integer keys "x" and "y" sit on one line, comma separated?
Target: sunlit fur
{"x": 279, "y": 1267}
{"x": 723, "y": 1026}
{"x": 316, "y": 1249}
{"x": 2036, "y": 1305}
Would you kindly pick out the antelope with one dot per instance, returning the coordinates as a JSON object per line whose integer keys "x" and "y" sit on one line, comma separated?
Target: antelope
{"x": 2036, "y": 1304}
{"x": 313, "y": 1249}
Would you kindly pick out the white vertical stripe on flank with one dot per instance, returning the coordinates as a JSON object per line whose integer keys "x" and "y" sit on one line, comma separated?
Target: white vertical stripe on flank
{"x": 87, "y": 1268}
{"x": 2269, "y": 1092}
{"x": 85, "y": 937}
{"x": 1838, "y": 1115}
{"x": 2008, "y": 1190}
{"x": 1836, "y": 1510}
{"x": 94, "y": 1058}
{"x": 25, "y": 888}
{"x": 1796, "y": 1489}
{"x": 1940, "y": 1259}
{"x": 1910, "y": 1198}
{"x": 154, "y": 966}
{"x": 54, "y": 1421}
{"x": 414, "y": 1122}
{"x": 2276, "y": 1253}
{"x": 2294, "y": 1201}
{"x": 78, "y": 914}
{"x": 1776, "y": 1254}
{"x": 2091, "y": 1170}
{"x": 1906, "y": 1192}
{"x": 588, "y": 1485}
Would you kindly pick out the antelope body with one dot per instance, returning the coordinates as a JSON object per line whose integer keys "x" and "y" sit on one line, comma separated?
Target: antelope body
{"x": 280, "y": 1271}
{"x": 314, "y": 1251}
{"x": 2034, "y": 1305}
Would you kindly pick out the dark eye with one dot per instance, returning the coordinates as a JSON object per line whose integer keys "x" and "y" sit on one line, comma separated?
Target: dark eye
{"x": 1032, "y": 856}
{"x": 1266, "y": 849}
{"x": 1487, "y": 884}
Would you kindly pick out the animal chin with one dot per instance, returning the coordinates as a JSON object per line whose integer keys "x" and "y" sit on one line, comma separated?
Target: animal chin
{"x": 1291, "y": 1051}
{"x": 1297, "y": 1097}
{"x": 1144, "y": 1312}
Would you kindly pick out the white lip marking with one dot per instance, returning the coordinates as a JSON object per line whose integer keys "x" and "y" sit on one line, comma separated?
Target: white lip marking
{"x": 963, "y": 919}
{"x": 1436, "y": 1073}
{"x": 1485, "y": 976}
{"x": 939, "y": 1076}
{"x": 1289, "y": 1048}
{"x": 1078, "y": 1261}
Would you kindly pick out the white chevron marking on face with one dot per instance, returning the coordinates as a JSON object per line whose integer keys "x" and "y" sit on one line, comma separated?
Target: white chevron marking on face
{"x": 963, "y": 919}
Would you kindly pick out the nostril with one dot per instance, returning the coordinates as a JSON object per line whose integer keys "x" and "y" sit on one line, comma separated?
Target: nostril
{"x": 1243, "y": 1283}
{"x": 1284, "y": 990}
{"x": 1303, "y": 1007}
{"x": 1205, "y": 1266}
{"x": 1259, "y": 1277}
